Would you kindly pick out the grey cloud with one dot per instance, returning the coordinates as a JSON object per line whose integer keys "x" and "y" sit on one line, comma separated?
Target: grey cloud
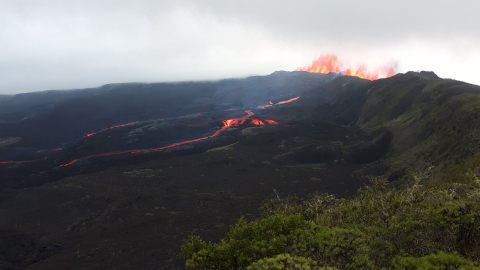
{"x": 368, "y": 21}
{"x": 48, "y": 44}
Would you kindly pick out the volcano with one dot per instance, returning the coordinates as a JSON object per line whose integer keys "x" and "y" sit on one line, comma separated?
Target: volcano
{"x": 119, "y": 175}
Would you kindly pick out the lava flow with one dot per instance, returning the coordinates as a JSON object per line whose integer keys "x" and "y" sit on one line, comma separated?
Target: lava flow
{"x": 271, "y": 104}
{"x": 142, "y": 122}
{"x": 112, "y": 127}
{"x": 272, "y": 122}
{"x": 22, "y": 161}
{"x": 234, "y": 122}
{"x": 257, "y": 122}
{"x": 330, "y": 63}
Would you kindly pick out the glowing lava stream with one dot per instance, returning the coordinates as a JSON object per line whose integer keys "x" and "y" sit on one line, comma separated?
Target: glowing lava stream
{"x": 278, "y": 103}
{"x": 21, "y": 161}
{"x": 226, "y": 124}
{"x": 234, "y": 122}
{"x": 272, "y": 122}
{"x": 142, "y": 122}
{"x": 257, "y": 122}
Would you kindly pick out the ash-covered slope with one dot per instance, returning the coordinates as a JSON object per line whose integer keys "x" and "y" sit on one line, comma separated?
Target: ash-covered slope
{"x": 116, "y": 194}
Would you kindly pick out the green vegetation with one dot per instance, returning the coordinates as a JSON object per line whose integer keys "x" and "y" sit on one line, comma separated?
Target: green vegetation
{"x": 419, "y": 227}
{"x": 431, "y": 120}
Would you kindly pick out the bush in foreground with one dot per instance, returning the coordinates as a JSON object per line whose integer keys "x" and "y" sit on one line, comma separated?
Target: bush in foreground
{"x": 287, "y": 262}
{"x": 382, "y": 228}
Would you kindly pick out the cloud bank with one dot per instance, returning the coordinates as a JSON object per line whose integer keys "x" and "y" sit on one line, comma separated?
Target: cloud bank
{"x": 74, "y": 44}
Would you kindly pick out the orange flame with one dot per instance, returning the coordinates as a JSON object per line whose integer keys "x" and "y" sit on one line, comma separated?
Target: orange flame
{"x": 330, "y": 63}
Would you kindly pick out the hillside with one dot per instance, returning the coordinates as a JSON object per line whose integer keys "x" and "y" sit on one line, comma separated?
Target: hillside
{"x": 431, "y": 120}
{"x": 122, "y": 176}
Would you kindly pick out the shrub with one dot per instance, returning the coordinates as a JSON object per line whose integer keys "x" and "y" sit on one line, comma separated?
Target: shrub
{"x": 287, "y": 262}
{"x": 415, "y": 221}
{"x": 439, "y": 261}
{"x": 249, "y": 242}
{"x": 411, "y": 228}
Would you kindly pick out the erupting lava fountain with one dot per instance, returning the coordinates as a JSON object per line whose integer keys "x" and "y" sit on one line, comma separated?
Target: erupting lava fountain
{"x": 329, "y": 63}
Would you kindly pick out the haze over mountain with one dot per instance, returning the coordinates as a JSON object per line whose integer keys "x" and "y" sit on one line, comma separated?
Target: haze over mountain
{"x": 119, "y": 175}
{"x": 78, "y": 44}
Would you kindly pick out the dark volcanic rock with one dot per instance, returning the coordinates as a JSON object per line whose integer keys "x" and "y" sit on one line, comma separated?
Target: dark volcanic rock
{"x": 18, "y": 251}
{"x": 430, "y": 74}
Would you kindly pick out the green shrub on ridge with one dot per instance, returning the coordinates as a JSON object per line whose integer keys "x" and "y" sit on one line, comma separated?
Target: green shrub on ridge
{"x": 440, "y": 261}
{"x": 382, "y": 228}
{"x": 249, "y": 242}
{"x": 287, "y": 262}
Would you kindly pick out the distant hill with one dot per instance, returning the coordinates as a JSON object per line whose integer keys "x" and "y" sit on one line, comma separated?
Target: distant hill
{"x": 432, "y": 120}
{"x": 29, "y": 105}
{"x": 4, "y": 98}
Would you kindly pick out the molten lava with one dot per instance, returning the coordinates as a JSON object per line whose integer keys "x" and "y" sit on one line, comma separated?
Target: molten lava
{"x": 286, "y": 101}
{"x": 229, "y": 123}
{"x": 143, "y": 122}
{"x": 22, "y": 161}
{"x": 271, "y": 104}
{"x": 272, "y": 122}
{"x": 234, "y": 122}
{"x": 330, "y": 63}
{"x": 112, "y": 127}
{"x": 257, "y": 122}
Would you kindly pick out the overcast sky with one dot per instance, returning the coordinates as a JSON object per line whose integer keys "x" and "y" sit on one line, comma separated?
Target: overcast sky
{"x": 64, "y": 44}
